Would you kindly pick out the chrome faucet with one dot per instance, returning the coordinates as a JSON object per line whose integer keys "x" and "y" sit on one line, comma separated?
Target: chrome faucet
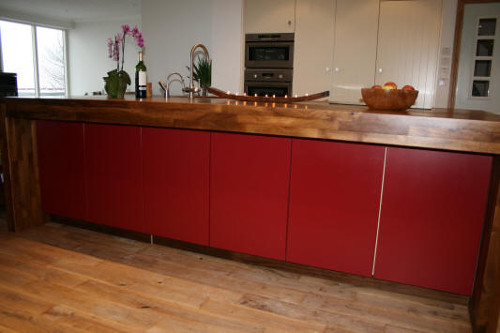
{"x": 169, "y": 82}
{"x": 191, "y": 88}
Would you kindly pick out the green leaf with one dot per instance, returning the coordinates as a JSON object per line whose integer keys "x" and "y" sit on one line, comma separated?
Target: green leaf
{"x": 202, "y": 72}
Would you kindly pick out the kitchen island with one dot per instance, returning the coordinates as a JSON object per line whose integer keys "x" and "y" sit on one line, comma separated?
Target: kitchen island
{"x": 260, "y": 178}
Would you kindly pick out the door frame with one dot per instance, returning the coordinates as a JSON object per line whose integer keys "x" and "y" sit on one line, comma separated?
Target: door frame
{"x": 456, "y": 47}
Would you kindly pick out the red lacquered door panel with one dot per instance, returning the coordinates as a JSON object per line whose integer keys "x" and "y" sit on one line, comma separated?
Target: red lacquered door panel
{"x": 432, "y": 216}
{"x": 334, "y": 202}
{"x": 61, "y": 165}
{"x": 114, "y": 187}
{"x": 249, "y": 183}
{"x": 176, "y": 180}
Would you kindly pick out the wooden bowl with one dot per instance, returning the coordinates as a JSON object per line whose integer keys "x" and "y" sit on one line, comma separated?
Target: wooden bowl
{"x": 389, "y": 99}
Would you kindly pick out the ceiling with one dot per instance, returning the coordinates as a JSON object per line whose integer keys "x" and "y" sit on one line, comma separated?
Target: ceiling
{"x": 71, "y": 11}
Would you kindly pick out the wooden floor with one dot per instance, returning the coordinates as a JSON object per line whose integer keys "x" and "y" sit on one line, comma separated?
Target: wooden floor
{"x": 58, "y": 278}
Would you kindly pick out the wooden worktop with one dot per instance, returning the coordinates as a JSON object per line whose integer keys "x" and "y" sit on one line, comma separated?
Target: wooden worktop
{"x": 457, "y": 130}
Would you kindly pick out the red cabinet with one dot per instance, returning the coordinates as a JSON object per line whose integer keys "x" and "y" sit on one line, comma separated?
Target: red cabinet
{"x": 114, "y": 176}
{"x": 176, "y": 180}
{"x": 249, "y": 184}
{"x": 334, "y": 201}
{"x": 61, "y": 166}
{"x": 431, "y": 219}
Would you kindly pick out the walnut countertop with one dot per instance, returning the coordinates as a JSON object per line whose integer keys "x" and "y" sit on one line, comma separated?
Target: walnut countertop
{"x": 456, "y": 130}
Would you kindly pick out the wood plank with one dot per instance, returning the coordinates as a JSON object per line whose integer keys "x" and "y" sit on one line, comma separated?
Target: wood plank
{"x": 34, "y": 271}
{"x": 273, "y": 322}
{"x": 5, "y": 160}
{"x": 485, "y": 300}
{"x": 163, "y": 308}
{"x": 112, "y": 311}
{"x": 405, "y": 316}
{"x": 17, "y": 301}
{"x": 222, "y": 280}
{"x": 20, "y": 166}
{"x": 20, "y": 312}
{"x": 45, "y": 254}
{"x": 293, "y": 311}
{"x": 68, "y": 319}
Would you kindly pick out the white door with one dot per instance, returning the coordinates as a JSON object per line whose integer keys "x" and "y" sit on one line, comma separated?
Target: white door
{"x": 313, "y": 46}
{"x": 408, "y": 46}
{"x": 354, "y": 54}
{"x": 478, "y": 85}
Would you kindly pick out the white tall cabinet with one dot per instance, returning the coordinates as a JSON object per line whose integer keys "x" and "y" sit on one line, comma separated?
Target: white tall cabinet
{"x": 376, "y": 42}
{"x": 408, "y": 46}
{"x": 268, "y": 16}
{"x": 314, "y": 27}
{"x": 355, "y": 49}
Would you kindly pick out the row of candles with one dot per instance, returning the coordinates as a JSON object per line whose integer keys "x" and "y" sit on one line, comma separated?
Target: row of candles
{"x": 266, "y": 104}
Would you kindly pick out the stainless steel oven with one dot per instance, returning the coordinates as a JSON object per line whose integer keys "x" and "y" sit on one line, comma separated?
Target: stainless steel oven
{"x": 269, "y": 50}
{"x": 269, "y": 64}
{"x": 262, "y": 82}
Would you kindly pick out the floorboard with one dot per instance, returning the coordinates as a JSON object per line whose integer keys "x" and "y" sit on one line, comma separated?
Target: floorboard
{"x": 58, "y": 278}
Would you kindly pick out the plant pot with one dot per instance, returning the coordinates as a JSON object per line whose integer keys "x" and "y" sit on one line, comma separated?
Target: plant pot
{"x": 204, "y": 91}
{"x": 116, "y": 83}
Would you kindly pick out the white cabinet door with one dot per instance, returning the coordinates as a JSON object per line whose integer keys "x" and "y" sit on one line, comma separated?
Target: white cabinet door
{"x": 313, "y": 46}
{"x": 408, "y": 46}
{"x": 356, "y": 24}
{"x": 269, "y": 16}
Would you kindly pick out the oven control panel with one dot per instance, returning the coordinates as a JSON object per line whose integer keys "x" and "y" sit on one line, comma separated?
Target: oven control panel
{"x": 276, "y": 75}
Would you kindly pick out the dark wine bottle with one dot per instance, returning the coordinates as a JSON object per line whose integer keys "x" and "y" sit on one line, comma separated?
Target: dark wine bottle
{"x": 140, "y": 78}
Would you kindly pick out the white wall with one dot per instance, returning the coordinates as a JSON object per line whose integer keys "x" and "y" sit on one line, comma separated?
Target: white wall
{"x": 88, "y": 60}
{"x": 172, "y": 27}
{"x": 446, "y": 53}
{"x": 227, "y": 47}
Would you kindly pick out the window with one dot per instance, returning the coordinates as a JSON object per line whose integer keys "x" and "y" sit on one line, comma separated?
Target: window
{"x": 483, "y": 57}
{"x": 37, "y": 55}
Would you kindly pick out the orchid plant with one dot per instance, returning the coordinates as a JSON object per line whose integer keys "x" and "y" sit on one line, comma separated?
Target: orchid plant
{"x": 119, "y": 42}
{"x": 118, "y": 79}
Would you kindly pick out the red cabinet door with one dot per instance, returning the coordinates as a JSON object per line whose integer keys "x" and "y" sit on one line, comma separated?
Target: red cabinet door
{"x": 334, "y": 201}
{"x": 114, "y": 176}
{"x": 176, "y": 180}
{"x": 249, "y": 184}
{"x": 431, "y": 219}
{"x": 61, "y": 166}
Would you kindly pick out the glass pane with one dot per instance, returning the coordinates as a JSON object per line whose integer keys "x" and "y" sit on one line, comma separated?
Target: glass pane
{"x": 484, "y": 48}
{"x": 269, "y": 91}
{"x": 50, "y": 44}
{"x": 482, "y": 68}
{"x": 269, "y": 53}
{"x": 480, "y": 88}
{"x": 487, "y": 27}
{"x": 17, "y": 55}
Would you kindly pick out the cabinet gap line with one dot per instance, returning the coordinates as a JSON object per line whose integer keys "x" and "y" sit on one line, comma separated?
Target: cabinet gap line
{"x": 379, "y": 212}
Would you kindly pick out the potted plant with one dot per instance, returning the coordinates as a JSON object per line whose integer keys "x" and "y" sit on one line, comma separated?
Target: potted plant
{"x": 202, "y": 72}
{"x": 117, "y": 80}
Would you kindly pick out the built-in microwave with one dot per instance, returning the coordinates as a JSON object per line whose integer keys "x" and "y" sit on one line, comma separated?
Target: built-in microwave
{"x": 273, "y": 50}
